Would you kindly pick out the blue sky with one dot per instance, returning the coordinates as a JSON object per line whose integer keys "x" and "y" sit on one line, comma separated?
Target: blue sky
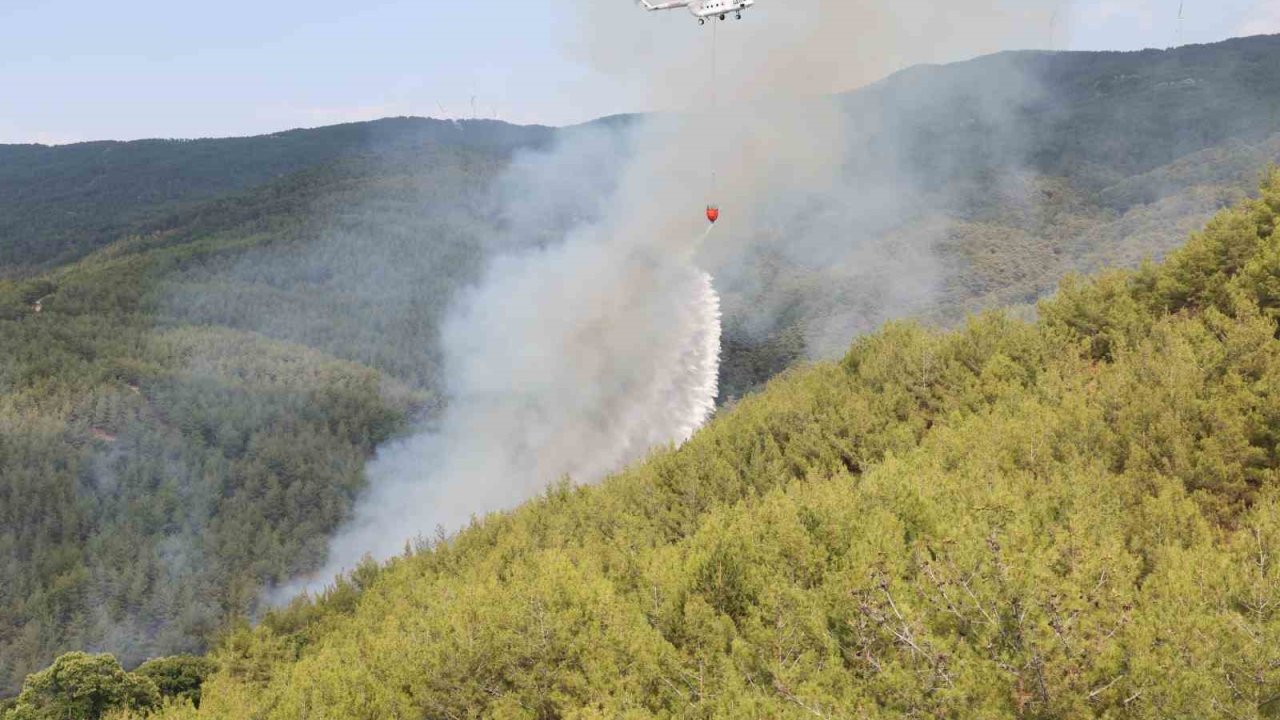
{"x": 75, "y": 70}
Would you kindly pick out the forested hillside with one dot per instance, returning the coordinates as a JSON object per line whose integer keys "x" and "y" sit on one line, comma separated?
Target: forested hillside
{"x": 1041, "y": 163}
{"x": 201, "y": 342}
{"x": 165, "y": 458}
{"x": 58, "y": 203}
{"x": 1073, "y": 517}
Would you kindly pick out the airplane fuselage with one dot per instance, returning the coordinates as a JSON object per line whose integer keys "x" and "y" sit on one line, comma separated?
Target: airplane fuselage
{"x": 704, "y": 9}
{"x": 718, "y": 8}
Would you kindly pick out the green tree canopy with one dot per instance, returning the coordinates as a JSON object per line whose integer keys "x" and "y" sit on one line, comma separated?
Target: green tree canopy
{"x": 79, "y": 686}
{"x": 179, "y": 677}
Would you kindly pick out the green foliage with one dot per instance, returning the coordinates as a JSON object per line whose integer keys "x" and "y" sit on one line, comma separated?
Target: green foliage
{"x": 57, "y": 204}
{"x": 153, "y": 481}
{"x": 1077, "y": 517}
{"x": 83, "y": 687}
{"x": 162, "y": 460}
{"x": 178, "y": 678}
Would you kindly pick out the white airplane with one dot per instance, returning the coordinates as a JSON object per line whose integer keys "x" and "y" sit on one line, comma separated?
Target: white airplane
{"x": 704, "y": 9}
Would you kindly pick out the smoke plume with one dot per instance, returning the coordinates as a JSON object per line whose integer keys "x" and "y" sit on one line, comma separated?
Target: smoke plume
{"x": 593, "y": 335}
{"x": 566, "y": 362}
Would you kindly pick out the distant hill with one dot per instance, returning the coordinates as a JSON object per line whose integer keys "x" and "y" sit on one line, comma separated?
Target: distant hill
{"x": 1095, "y": 116}
{"x": 58, "y": 203}
{"x": 203, "y": 341}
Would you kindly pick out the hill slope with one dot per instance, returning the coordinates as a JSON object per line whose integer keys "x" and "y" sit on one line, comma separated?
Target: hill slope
{"x": 204, "y": 341}
{"x": 1077, "y": 517}
{"x": 59, "y": 203}
{"x": 163, "y": 458}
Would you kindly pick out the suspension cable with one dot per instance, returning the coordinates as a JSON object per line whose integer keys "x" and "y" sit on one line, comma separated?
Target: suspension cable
{"x": 715, "y": 94}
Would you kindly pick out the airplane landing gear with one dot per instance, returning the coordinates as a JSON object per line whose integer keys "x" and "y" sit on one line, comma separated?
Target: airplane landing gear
{"x": 702, "y": 21}
{"x": 739, "y": 16}
{"x": 722, "y": 17}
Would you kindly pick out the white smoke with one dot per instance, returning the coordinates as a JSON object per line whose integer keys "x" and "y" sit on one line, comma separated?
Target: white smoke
{"x": 565, "y": 361}
{"x": 593, "y": 338}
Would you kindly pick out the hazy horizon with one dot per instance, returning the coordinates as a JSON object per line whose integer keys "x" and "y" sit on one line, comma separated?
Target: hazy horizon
{"x": 75, "y": 71}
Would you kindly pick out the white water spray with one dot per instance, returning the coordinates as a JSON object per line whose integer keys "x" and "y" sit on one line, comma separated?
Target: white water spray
{"x": 695, "y": 384}
{"x": 566, "y": 362}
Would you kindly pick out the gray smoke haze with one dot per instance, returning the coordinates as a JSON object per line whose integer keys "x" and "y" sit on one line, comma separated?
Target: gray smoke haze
{"x": 565, "y": 360}
{"x": 592, "y": 336}
{"x": 796, "y": 48}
